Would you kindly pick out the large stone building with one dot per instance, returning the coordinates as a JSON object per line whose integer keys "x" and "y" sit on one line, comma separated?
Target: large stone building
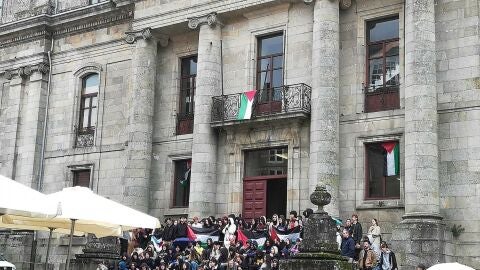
{"x": 140, "y": 100}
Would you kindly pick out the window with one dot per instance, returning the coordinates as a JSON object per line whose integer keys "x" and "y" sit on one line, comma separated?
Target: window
{"x": 383, "y": 65}
{"x": 81, "y": 178}
{"x": 266, "y": 162}
{"x": 181, "y": 186}
{"x": 270, "y": 73}
{"x": 188, "y": 70}
{"x": 382, "y": 170}
{"x": 88, "y": 110}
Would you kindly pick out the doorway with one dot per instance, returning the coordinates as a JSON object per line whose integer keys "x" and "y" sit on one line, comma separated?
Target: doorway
{"x": 265, "y": 182}
{"x": 276, "y": 197}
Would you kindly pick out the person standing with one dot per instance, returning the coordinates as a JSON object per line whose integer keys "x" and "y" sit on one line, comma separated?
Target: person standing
{"x": 387, "y": 258}
{"x": 357, "y": 234}
{"x": 367, "y": 259}
{"x": 347, "y": 247}
{"x": 374, "y": 233}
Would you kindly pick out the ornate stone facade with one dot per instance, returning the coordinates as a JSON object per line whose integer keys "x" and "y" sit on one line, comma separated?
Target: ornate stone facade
{"x": 136, "y": 48}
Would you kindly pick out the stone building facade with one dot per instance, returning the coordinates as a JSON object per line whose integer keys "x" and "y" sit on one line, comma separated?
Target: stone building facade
{"x": 139, "y": 101}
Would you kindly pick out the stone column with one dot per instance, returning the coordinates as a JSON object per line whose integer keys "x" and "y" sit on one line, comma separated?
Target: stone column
{"x": 136, "y": 183}
{"x": 31, "y": 130}
{"x": 324, "y": 125}
{"x": 204, "y": 151}
{"x": 420, "y": 235}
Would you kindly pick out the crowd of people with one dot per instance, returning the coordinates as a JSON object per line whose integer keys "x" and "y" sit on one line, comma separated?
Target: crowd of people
{"x": 171, "y": 247}
{"x": 368, "y": 251}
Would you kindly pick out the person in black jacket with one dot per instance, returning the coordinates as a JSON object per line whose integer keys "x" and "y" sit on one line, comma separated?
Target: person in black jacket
{"x": 387, "y": 258}
{"x": 347, "y": 247}
{"x": 181, "y": 228}
{"x": 357, "y": 234}
{"x": 169, "y": 231}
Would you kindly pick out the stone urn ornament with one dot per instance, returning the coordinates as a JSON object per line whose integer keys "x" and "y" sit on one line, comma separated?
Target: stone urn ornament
{"x": 320, "y": 197}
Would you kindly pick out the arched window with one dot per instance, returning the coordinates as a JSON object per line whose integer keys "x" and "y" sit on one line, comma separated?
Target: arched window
{"x": 88, "y": 110}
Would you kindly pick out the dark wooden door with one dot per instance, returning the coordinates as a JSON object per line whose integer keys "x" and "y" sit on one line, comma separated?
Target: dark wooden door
{"x": 254, "y": 198}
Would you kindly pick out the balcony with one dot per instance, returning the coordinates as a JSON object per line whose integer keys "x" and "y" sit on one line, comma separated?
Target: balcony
{"x": 289, "y": 101}
{"x": 382, "y": 99}
{"x": 184, "y": 123}
{"x": 85, "y": 137}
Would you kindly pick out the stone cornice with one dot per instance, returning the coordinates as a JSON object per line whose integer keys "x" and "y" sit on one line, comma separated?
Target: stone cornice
{"x": 26, "y": 71}
{"x": 209, "y": 19}
{"x": 132, "y": 36}
{"x": 75, "y": 21}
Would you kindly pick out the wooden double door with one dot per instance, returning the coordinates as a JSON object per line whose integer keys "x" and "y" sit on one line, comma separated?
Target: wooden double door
{"x": 264, "y": 197}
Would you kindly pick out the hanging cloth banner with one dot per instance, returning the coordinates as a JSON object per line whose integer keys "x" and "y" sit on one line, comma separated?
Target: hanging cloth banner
{"x": 392, "y": 158}
{"x": 246, "y": 104}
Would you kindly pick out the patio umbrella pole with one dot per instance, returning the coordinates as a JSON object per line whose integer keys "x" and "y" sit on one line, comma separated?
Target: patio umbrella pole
{"x": 48, "y": 247}
{"x": 72, "y": 228}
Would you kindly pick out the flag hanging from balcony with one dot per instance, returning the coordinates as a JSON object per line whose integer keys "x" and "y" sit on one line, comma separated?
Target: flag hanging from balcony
{"x": 392, "y": 158}
{"x": 246, "y": 103}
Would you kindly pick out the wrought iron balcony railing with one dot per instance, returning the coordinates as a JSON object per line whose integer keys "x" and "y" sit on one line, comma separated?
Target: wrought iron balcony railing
{"x": 184, "y": 123}
{"x": 382, "y": 98}
{"x": 287, "y": 99}
{"x": 85, "y": 137}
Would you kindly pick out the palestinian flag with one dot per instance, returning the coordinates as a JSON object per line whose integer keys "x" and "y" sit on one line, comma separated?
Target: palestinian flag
{"x": 292, "y": 234}
{"x": 202, "y": 234}
{"x": 259, "y": 237}
{"x": 246, "y": 103}
{"x": 392, "y": 158}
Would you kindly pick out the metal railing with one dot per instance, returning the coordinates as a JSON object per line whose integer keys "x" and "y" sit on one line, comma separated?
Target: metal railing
{"x": 85, "y": 137}
{"x": 184, "y": 123}
{"x": 295, "y": 98}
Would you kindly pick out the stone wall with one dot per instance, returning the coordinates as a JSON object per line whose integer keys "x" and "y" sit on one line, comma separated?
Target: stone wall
{"x": 103, "y": 50}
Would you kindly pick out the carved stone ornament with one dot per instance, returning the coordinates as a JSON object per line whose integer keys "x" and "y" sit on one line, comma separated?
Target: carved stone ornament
{"x": 320, "y": 197}
{"x": 132, "y": 36}
{"x": 345, "y": 4}
{"x": 210, "y": 19}
{"x": 25, "y": 71}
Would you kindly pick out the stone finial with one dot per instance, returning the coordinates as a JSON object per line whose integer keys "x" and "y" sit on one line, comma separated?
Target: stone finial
{"x": 132, "y": 36}
{"x": 320, "y": 197}
{"x": 210, "y": 19}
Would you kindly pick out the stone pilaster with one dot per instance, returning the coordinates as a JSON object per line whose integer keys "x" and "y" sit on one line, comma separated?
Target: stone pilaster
{"x": 10, "y": 118}
{"x": 140, "y": 119}
{"x": 324, "y": 125}
{"x": 419, "y": 237}
{"x": 204, "y": 152}
{"x": 31, "y": 129}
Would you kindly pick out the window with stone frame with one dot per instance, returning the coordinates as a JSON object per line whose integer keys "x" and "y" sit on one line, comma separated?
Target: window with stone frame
{"x": 270, "y": 61}
{"x": 88, "y": 110}
{"x": 382, "y": 65}
{"x": 181, "y": 183}
{"x": 188, "y": 74}
{"x": 382, "y": 174}
{"x": 81, "y": 178}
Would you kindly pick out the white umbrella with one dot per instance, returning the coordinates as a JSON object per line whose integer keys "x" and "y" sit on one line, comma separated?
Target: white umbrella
{"x": 19, "y": 200}
{"x": 81, "y": 207}
{"x": 450, "y": 266}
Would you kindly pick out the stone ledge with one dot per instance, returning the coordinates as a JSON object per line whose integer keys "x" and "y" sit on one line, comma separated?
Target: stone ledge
{"x": 84, "y": 150}
{"x": 381, "y": 204}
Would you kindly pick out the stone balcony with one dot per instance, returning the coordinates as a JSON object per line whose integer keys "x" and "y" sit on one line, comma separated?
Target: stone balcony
{"x": 285, "y": 102}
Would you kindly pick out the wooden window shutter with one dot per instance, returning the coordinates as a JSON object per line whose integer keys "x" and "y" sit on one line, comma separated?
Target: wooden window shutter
{"x": 81, "y": 178}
